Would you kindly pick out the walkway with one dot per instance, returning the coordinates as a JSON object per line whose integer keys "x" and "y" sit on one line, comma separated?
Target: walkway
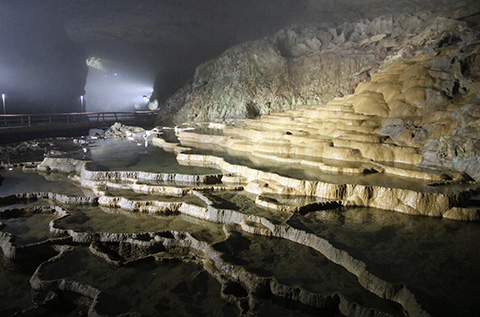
{"x": 16, "y": 127}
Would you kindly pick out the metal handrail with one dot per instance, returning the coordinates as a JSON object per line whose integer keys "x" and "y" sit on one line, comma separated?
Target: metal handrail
{"x": 35, "y": 119}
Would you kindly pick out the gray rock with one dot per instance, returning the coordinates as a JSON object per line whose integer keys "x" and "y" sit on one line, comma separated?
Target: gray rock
{"x": 122, "y": 131}
{"x": 310, "y": 64}
{"x": 96, "y": 133}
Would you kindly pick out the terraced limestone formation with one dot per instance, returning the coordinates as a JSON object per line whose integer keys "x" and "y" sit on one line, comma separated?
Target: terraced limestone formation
{"x": 264, "y": 251}
{"x": 117, "y": 246}
{"x": 371, "y": 148}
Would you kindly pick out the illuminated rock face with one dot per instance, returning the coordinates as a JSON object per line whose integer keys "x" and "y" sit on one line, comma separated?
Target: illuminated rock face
{"x": 309, "y": 65}
{"x": 387, "y": 127}
{"x": 169, "y": 39}
{"x": 415, "y": 85}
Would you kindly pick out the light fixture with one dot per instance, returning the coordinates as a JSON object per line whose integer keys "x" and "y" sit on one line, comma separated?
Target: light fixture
{"x": 82, "y": 103}
{"x": 3, "y": 99}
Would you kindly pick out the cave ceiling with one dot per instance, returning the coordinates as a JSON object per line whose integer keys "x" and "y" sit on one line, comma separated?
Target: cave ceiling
{"x": 161, "y": 41}
{"x": 170, "y": 38}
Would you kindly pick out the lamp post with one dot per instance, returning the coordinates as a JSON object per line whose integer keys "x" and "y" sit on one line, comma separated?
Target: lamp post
{"x": 82, "y": 102}
{"x": 3, "y": 99}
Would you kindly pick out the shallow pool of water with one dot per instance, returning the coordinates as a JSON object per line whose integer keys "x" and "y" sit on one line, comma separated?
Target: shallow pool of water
{"x": 298, "y": 171}
{"x": 150, "y": 288}
{"x": 113, "y": 220}
{"x": 121, "y": 155}
{"x": 436, "y": 258}
{"x": 29, "y": 229}
{"x": 299, "y": 266}
{"x": 16, "y": 182}
{"x": 15, "y": 291}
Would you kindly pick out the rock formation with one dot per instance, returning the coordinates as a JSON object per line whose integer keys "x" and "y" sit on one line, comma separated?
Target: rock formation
{"x": 125, "y": 249}
{"x": 414, "y": 80}
{"x": 334, "y": 194}
{"x": 257, "y": 233}
{"x": 168, "y": 39}
{"x": 119, "y": 130}
{"x": 305, "y": 65}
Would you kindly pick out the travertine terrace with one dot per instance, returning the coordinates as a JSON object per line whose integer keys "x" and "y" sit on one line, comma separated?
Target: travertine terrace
{"x": 365, "y": 149}
{"x": 329, "y": 167}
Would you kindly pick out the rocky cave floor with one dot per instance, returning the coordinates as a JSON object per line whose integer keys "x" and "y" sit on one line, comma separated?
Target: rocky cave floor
{"x": 118, "y": 227}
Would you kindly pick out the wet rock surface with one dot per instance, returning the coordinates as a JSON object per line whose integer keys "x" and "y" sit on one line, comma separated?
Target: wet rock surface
{"x": 140, "y": 242}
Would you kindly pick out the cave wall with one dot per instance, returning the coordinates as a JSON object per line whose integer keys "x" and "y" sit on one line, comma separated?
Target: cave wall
{"x": 302, "y": 64}
{"x": 431, "y": 99}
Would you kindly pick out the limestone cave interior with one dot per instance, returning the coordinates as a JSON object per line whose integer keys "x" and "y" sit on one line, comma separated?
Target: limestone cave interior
{"x": 240, "y": 158}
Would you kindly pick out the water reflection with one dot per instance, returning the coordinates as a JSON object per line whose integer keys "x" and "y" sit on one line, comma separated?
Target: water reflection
{"x": 435, "y": 258}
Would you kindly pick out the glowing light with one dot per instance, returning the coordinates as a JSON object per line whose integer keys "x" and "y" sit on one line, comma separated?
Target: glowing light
{"x": 3, "y": 99}
{"x": 82, "y": 103}
{"x": 97, "y": 63}
{"x": 153, "y": 105}
{"x": 116, "y": 89}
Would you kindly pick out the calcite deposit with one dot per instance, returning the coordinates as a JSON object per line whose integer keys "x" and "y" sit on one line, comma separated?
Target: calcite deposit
{"x": 385, "y": 133}
{"x": 393, "y": 89}
{"x": 321, "y": 171}
{"x": 148, "y": 244}
{"x": 230, "y": 224}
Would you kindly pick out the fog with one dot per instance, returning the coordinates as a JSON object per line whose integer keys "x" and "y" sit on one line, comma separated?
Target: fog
{"x": 109, "y": 87}
{"x": 41, "y": 68}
